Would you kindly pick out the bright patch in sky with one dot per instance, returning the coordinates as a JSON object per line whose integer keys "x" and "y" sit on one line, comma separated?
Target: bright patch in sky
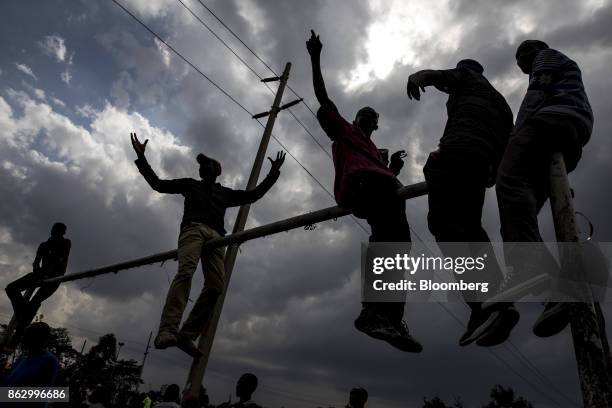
{"x": 403, "y": 32}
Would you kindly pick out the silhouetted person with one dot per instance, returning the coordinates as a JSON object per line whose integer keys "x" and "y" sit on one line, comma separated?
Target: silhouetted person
{"x": 171, "y": 397}
{"x": 555, "y": 116}
{"x": 51, "y": 260}
{"x": 367, "y": 187}
{"x": 203, "y": 219}
{"x": 458, "y": 174}
{"x": 37, "y": 367}
{"x": 357, "y": 398}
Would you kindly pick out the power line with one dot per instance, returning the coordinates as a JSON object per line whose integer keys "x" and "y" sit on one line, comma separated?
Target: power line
{"x": 250, "y": 68}
{"x": 458, "y": 320}
{"x": 268, "y": 67}
{"x": 295, "y": 117}
{"x": 223, "y": 91}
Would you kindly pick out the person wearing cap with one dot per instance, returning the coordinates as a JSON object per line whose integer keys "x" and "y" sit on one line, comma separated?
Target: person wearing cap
{"x": 51, "y": 260}
{"x": 365, "y": 185}
{"x": 458, "y": 174}
{"x": 555, "y": 116}
{"x": 205, "y": 202}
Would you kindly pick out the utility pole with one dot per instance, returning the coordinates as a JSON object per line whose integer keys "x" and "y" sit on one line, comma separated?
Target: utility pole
{"x": 198, "y": 367}
{"x": 586, "y": 319}
{"x": 83, "y": 346}
{"x": 144, "y": 358}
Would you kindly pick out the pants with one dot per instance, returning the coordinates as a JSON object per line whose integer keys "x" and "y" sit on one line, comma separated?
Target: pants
{"x": 191, "y": 239}
{"x": 22, "y": 305}
{"x": 457, "y": 182}
{"x": 523, "y": 182}
{"x": 374, "y": 198}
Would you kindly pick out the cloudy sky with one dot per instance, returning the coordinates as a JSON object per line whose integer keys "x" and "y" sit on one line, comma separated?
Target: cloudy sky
{"x": 77, "y": 76}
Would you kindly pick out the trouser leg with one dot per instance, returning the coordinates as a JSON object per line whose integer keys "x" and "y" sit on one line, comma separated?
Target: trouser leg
{"x": 42, "y": 294}
{"x": 388, "y": 223}
{"x": 214, "y": 280}
{"x": 14, "y": 289}
{"x": 189, "y": 249}
{"x": 456, "y": 184}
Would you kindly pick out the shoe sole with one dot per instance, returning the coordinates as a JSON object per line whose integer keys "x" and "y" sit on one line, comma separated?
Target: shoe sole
{"x": 552, "y": 322}
{"x": 480, "y": 330}
{"x": 508, "y": 319}
{"x": 416, "y": 348}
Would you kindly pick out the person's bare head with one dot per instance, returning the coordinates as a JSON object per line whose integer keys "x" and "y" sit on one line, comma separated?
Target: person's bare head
{"x": 246, "y": 386}
{"x": 35, "y": 337}
{"x": 358, "y": 397}
{"x": 526, "y": 53}
{"x": 210, "y": 168}
{"x": 366, "y": 120}
{"x": 58, "y": 230}
{"x": 471, "y": 64}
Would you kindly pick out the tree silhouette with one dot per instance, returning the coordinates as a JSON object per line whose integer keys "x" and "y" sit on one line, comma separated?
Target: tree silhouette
{"x": 505, "y": 398}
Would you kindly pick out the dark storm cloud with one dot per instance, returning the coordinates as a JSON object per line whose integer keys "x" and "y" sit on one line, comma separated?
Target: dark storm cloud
{"x": 293, "y": 296}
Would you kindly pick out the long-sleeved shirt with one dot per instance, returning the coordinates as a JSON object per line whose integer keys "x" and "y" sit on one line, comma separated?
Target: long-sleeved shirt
{"x": 556, "y": 90}
{"x": 205, "y": 201}
{"x": 478, "y": 115}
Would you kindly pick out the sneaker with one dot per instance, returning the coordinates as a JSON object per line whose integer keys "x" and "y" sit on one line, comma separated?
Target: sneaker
{"x": 553, "y": 319}
{"x": 477, "y": 320}
{"x": 379, "y": 327}
{"x": 405, "y": 342}
{"x": 375, "y": 325}
{"x": 185, "y": 343}
{"x": 163, "y": 340}
{"x": 498, "y": 326}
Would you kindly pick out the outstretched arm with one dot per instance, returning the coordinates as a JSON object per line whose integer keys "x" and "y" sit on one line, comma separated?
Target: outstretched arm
{"x": 242, "y": 197}
{"x": 177, "y": 186}
{"x": 314, "y": 46}
{"x": 443, "y": 80}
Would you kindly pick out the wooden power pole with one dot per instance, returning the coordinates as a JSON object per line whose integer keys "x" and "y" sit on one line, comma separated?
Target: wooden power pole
{"x": 198, "y": 367}
{"x": 586, "y": 319}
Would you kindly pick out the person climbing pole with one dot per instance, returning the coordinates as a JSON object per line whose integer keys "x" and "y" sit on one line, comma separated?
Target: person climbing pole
{"x": 367, "y": 187}
{"x": 205, "y": 203}
{"x": 51, "y": 260}
{"x": 555, "y": 116}
{"x": 458, "y": 174}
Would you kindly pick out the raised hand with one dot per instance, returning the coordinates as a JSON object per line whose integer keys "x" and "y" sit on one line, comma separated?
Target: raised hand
{"x": 397, "y": 160}
{"x": 416, "y": 81}
{"x": 314, "y": 45}
{"x": 278, "y": 162}
{"x": 139, "y": 148}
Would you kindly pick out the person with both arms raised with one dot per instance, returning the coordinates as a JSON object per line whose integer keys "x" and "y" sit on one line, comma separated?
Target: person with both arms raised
{"x": 203, "y": 219}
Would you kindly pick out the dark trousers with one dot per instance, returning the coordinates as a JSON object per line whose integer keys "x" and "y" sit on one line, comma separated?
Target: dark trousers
{"x": 523, "y": 184}
{"x": 456, "y": 183}
{"x": 523, "y": 179}
{"x": 22, "y": 305}
{"x": 374, "y": 198}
